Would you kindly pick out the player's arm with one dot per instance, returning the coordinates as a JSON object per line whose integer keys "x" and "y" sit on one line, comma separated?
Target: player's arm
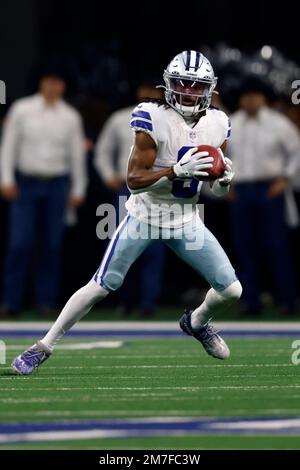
{"x": 140, "y": 173}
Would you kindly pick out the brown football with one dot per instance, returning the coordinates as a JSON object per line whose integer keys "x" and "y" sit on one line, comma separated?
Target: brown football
{"x": 218, "y": 167}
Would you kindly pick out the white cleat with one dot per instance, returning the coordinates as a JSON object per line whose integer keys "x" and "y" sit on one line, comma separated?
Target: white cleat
{"x": 208, "y": 336}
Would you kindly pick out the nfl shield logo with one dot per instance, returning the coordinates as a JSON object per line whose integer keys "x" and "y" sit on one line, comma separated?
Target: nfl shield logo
{"x": 193, "y": 135}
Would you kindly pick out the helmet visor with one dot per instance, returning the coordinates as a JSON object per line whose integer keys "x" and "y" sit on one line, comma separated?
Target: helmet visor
{"x": 188, "y": 92}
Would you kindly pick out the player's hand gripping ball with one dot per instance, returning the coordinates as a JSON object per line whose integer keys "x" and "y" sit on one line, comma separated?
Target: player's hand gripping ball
{"x": 218, "y": 165}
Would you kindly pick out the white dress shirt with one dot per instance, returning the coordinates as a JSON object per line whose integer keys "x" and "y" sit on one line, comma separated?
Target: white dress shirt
{"x": 263, "y": 147}
{"x": 113, "y": 145}
{"x": 44, "y": 141}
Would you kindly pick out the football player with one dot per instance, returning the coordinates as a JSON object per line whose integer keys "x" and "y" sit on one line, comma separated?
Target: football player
{"x": 164, "y": 172}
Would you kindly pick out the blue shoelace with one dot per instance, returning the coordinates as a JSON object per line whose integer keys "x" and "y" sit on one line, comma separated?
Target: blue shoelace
{"x": 33, "y": 356}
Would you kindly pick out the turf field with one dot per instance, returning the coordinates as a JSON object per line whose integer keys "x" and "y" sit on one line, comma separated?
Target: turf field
{"x": 155, "y": 393}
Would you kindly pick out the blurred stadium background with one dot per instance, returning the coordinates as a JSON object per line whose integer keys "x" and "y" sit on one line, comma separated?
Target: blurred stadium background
{"x": 102, "y": 76}
{"x": 104, "y": 58}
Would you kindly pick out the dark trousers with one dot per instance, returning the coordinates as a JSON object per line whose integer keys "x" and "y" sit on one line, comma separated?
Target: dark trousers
{"x": 145, "y": 276}
{"x": 39, "y": 211}
{"x": 261, "y": 241}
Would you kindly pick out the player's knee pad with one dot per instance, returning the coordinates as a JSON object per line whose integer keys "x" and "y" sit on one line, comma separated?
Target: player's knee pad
{"x": 232, "y": 292}
{"x": 113, "y": 280}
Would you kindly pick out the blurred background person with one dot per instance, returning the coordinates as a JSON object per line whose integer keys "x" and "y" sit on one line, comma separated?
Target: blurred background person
{"x": 111, "y": 157}
{"x": 265, "y": 149}
{"x": 293, "y": 113}
{"x": 42, "y": 172}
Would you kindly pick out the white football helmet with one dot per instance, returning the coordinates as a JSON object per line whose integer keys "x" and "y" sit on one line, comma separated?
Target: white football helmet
{"x": 190, "y": 82}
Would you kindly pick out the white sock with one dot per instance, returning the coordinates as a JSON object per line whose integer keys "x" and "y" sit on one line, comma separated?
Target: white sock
{"x": 77, "y": 306}
{"x": 215, "y": 302}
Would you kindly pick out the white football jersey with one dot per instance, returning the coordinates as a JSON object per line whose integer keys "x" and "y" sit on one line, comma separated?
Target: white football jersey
{"x": 173, "y": 203}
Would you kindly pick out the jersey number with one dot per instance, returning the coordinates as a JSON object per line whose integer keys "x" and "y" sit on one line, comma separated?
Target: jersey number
{"x": 186, "y": 188}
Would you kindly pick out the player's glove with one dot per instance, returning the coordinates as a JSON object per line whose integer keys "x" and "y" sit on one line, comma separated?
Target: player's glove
{"x": 222, "y": 185}
{"x": 228, "y": 173}
{"x": 193, "y": 165}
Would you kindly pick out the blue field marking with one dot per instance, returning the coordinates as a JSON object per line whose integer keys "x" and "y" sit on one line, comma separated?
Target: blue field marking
{"x": 81, "y": 429}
